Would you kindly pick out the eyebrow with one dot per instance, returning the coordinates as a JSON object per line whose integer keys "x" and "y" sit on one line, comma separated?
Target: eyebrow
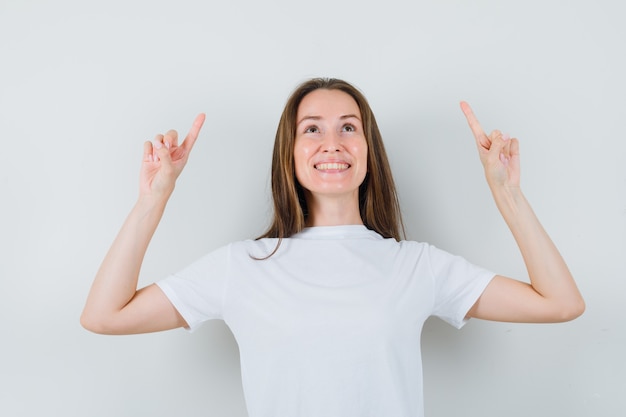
{"x": 345, "y": 116}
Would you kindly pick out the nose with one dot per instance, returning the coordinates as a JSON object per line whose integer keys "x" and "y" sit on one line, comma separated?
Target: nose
{"x": 332, "y": 142}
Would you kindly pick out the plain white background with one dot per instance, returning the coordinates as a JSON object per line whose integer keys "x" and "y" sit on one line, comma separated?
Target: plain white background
{"x": 83, "y": 84}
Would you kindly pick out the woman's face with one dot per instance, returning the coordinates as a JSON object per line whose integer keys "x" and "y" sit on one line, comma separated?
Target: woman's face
{"x": 330, "y": 149}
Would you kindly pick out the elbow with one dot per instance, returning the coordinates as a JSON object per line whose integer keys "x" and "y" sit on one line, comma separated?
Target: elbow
{"x": 89, "y": 323}
{"x": 573, "y": 310}
{"x": 580, "y": 308}
{"x": 94, "y": 324}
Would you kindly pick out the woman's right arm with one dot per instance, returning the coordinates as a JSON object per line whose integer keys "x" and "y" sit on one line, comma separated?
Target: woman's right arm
{"x": 114, "y": 305}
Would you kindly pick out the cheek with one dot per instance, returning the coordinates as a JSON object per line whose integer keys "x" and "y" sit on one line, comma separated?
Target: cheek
{"x": 300, "y": 156}
{"x": 360, "y": 150}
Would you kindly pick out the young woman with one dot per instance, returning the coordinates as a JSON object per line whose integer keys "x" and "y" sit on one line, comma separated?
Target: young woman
{"x": 328, "y": 305}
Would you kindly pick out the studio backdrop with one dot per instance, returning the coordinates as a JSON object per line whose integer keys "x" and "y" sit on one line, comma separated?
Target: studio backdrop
{"x": 84, "y": 84}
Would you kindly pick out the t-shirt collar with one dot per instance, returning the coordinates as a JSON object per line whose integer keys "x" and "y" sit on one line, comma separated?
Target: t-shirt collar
{"x": 352, "y": 231}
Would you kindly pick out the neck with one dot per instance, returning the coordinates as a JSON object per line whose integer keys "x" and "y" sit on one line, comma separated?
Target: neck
{"x": 333, "y": 210}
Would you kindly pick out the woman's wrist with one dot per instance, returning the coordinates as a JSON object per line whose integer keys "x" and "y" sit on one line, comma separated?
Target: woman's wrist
{"x": 149, "y": 205}
{"x": 510, "y": 200}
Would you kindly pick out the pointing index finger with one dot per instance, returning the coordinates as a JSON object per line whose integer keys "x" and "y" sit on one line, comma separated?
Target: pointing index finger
{"x": 191, "y": 137}
{"x": 477, "y": 130}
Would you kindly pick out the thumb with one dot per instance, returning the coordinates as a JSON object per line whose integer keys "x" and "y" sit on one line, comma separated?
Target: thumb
{"x": 163, "y": 156}
{"x": 498, "y": 144}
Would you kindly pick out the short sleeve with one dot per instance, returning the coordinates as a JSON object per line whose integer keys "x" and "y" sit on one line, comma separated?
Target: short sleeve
{"x": 458, "y": 285}
{"x": 197, "y": 292}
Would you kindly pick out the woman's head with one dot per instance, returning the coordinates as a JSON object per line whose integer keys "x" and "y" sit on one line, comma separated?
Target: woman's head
{"x": 330, "y": 156}
{"x": 378, "y": 202}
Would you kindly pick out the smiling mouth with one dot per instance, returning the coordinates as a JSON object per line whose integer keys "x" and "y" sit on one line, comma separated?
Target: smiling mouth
{"x": 331, "y": 166}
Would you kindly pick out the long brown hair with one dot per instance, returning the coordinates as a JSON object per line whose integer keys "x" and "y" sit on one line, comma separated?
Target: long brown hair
{"x": 378, "y": 200}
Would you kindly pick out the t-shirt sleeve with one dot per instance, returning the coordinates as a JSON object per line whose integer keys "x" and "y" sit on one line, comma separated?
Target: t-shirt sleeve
{"x": 197, "y": 292}
{"x": 458, "y": 285}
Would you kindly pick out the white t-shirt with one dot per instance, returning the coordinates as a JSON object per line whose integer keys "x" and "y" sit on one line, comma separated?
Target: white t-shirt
{"x": 330, "y": 324}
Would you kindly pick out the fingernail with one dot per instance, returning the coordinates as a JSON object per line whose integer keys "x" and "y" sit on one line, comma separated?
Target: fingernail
{"x": 167, "y": 144}
{"x": 158, "y": 145}
{"x": 506, "y": 136}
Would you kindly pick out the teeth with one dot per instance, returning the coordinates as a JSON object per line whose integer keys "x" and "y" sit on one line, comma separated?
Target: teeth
{"x": 331, "y": 165}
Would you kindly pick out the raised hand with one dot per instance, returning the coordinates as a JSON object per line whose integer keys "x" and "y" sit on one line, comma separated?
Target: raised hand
{"x": 552, "y": 295}
{"x": 164, "y": 160}
{"x": 498, "y": 152}
{"x": 114, "y": 305}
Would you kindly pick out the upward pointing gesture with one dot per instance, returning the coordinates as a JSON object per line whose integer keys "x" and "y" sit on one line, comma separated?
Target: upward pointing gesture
{"x": 114, "y": 305}
{"x": 552, "y": 295}
{"x": 498, "y": 153}
{"x": 164, "y": 159}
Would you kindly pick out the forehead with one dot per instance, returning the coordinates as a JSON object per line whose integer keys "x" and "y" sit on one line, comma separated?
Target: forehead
{"x": 327, "y": 103}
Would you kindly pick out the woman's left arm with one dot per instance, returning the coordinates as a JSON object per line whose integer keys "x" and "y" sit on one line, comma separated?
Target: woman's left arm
{"x": 552, "y": 295}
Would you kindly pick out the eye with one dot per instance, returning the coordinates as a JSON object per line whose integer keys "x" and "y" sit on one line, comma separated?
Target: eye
{"x": 312, "y": 129}
{"x": 349, "y": 128}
